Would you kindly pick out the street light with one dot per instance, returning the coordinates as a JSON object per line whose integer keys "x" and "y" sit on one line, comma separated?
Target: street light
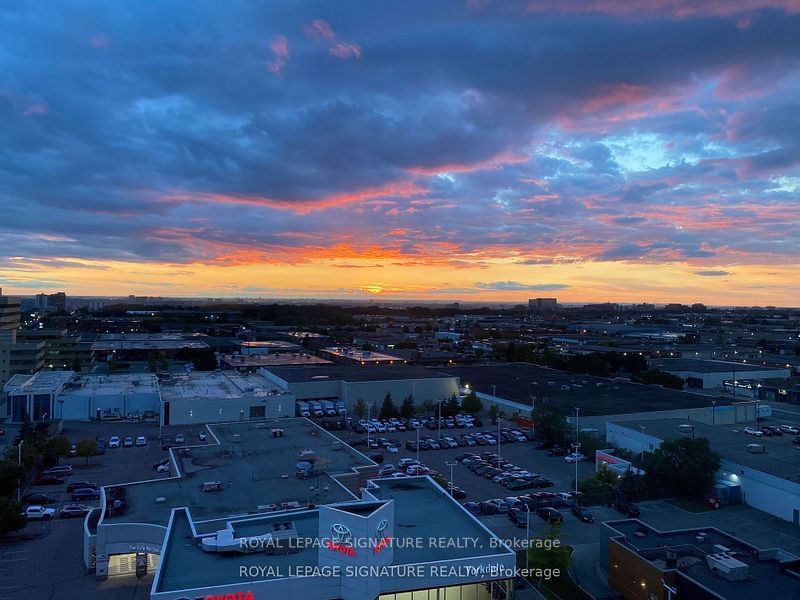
{"x": 417, "y": 428}
{"x": 527, "y": 534}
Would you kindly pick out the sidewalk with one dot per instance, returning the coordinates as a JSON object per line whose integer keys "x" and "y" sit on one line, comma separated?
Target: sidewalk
{"x": 587, "y": 572}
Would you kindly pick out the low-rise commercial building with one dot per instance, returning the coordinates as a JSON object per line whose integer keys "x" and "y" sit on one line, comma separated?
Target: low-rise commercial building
{"x": 707, "y": 374}
{"x": 769, "y": 478}
{"x": 240, "y": 518}
{"x": 701, "y": 564}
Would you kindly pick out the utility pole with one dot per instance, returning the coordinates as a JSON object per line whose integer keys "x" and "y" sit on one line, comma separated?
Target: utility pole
{"x": 533, "y": 410}
{"x": 417, "y": 428}
{"x": 642, "y": 456}
{"x": 498, "y": 439}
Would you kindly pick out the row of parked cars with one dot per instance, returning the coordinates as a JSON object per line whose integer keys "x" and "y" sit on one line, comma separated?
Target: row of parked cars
{"x": 545, "y": 505}
{"x": 500, "y": 471}
{"x": 410, "y": 467}
{"x": 771, "y": 430}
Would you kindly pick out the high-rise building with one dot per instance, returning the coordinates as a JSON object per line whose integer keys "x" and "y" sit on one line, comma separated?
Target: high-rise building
{"x": 15, "y": 356}
{"x": 543, "y": 304}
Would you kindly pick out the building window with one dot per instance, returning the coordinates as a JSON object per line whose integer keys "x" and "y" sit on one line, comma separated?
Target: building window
{"x": 258, "y": 412}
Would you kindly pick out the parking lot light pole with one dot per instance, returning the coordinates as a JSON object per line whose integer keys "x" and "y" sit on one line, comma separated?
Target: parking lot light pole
{"x": 498, "y": 439}
{"x": 19, "y": 463}
{"x": 417, "y": 428}
{"x": 527, "y": 535}
{"x": 533, "y": 424}
{"x": 451, "y": 464}
{"x": 577, "y": 450}
{"x": 439, "y": 405}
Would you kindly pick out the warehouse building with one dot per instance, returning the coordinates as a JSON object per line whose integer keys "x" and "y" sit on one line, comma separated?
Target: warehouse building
{"x": 767, "y": 472}
{"x": 709, "y": 374}
{"x": 371, "y": 384}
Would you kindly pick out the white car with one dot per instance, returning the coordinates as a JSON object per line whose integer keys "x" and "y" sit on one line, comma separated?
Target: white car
{"x": 392, "y": 449}
{"x": 163, "y": 468}
{"x": 574, "y": 457}
{"x": 113, "y": 441}
{"x": 790, "y": 429}
{"x": 202, "y": 436}
{"x": 753, "y": 431}
{"x": 406, "y": 462}
{"x": 141, "y": 440}
{"x": 39, "y": 513}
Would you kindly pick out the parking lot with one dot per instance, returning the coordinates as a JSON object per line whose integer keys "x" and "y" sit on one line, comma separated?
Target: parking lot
{"x": 60, "y": 541}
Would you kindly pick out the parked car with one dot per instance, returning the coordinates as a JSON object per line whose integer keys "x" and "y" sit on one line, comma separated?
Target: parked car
{"x": 487, "y": 508}
{"x": 49, "y": 480}
{"x": 574, "y": 457}
{"x": 519, "y": 484}
{"x": 100, "y": 446}
{"x": 39, "y": 513}
{"x": 375, "y": 457}
{"x": 114, "y": 441}
{"x": 518, "y": 516}
{"x": 473, "y": 508}
{"x": 59, "y": 470}
{"x": 584, "y": 514}
{"x": 163, "y": 468}
{"x": 37, "y": 499}
{"x": 202, "y": 435}
{"x": 76, "y": 485}
{"x": 180, "y": 439}
{"x": 793, "y": 429}
{"x": 627, "y": 508}
{"x": 84, "y": 494}
{"x": 73, "y": 510}
{"x": 501, "y": 506}
{"x": 753, "y": 431}
{"x": 127, "y": 442}
{"x": 551, "y": 515}
{"x": 558, "y": 451}
{"x": 163, "y": 461}
{"x": 141, "y": 440}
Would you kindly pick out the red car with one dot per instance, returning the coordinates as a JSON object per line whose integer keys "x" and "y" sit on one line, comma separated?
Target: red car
{"x": 74, "y": 485}
{"x": 49, "y": 480}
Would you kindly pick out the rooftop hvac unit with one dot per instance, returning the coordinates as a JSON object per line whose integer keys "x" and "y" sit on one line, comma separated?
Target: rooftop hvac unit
{"x": 727, "y": 567}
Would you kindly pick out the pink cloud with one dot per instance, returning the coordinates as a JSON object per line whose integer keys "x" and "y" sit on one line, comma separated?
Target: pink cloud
{"x": 345, "y": 50}
{"x": 319, "y": 30}
{"x": 279, "y": 46}
{"x": 99, "y": 40}
{"x": 322, "y": 31}
{"x": 37, "y": 108}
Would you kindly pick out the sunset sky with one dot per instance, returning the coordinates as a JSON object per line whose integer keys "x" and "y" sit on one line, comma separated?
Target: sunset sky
{"x": 482, "y": 150}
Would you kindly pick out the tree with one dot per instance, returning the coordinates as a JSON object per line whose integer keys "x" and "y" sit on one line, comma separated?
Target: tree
{"x": 55, "y": 448}
{"x": 683, "y": 466}
{"x": 471, "y": 403}
{"x": 388, "y": 409}
{"x": 407, "y": 408}
{"x": 86, "y": 448}
{"x": 151, "y": 362}
{"x": 493, "y": 412}
{"x": 668, "y": 380}
{"x": 360, "y": 408}
{"x": 428, "y": 405}
{"x": 552, "y": 555}
{"x": 551, "y": 426}
{"x": 632, "y": 486}
{"x": 11, "y": 517}
{"x": 163, "y": 363}
{"x": 450, "y": 406}
{"x": 10, "y": 476}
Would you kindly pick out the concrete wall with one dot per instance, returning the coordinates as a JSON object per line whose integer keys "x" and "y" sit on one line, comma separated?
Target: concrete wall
{"x": 80, "y": 406}
{"x": 219, "y": 410}
{"x": 421, "y": 389}
{"x": 773, "y": 495}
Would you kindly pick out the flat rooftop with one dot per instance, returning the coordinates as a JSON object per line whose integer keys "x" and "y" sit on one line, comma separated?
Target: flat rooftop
{"x": 146, "y": 341}
{"x": 595, "y": 396}
{"x": 708, "y": 366}
{"x": 781, "y": 459}
{"x": 691, "y": 552}
{"x": 283, "y": 359}
{"x": 355, "y": 373}
{"x": 113, "y": 384}
{"x": 255, "y": 470}
{"x": 364, "y": 356}
{"x": 442, "y": 518}
{"x": 214, "y": 384}
{"x": 43, "y": 382}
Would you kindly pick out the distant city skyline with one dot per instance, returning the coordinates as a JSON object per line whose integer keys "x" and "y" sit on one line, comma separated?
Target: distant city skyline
{"x": 470, "y": 150}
